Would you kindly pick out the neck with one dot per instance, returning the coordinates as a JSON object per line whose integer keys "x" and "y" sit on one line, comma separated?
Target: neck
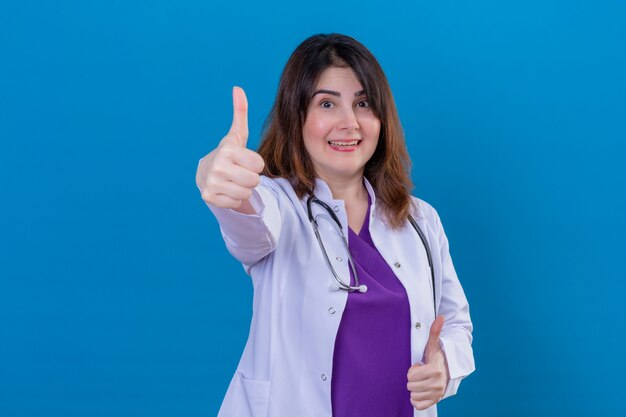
{"x": 347, "y": 189}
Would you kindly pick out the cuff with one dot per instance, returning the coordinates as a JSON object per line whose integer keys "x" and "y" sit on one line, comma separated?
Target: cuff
{"x": 456, "y": 371}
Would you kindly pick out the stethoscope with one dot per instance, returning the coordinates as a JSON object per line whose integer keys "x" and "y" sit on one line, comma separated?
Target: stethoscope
{"x": 344, "y": 241}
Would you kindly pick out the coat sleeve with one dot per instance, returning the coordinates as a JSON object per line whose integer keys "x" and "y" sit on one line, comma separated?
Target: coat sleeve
{"x": 456, "y": 334}
{"x": 251, "y": 237}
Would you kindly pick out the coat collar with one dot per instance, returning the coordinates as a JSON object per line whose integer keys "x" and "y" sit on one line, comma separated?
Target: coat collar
{"x": 323, "y": 192}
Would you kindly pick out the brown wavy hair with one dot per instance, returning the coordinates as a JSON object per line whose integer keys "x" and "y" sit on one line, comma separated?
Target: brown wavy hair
{"x": 282, "y": 143}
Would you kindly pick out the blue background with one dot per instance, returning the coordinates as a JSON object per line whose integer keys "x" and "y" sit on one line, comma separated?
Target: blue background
{"x": 118, "y": 297}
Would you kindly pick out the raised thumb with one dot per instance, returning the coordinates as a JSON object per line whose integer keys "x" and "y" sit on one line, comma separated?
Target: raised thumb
{"x": 239, "y": 128}
{"x": 433, "y": 338}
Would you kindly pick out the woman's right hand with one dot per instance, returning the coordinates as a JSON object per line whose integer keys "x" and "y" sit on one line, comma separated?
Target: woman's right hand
{"x": 227, "y": 175}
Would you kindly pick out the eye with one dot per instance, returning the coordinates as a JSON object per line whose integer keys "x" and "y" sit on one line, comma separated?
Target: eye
{"x": 363, "y": 104}
{"x": 326, "y": 104}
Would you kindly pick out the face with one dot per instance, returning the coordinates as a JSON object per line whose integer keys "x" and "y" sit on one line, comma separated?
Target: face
{"x": 341, "y": 131}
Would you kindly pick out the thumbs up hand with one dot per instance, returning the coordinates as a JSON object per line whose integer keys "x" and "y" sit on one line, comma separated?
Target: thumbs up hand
{"x": 427, "y": 381}
{"x": 227, "y": 175}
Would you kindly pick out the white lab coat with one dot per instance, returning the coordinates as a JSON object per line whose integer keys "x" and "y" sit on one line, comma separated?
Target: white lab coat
{"x": 286, "y": 366}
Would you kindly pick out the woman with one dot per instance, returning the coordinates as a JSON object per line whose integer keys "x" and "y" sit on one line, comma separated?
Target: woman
{"x": 362, "y": 331}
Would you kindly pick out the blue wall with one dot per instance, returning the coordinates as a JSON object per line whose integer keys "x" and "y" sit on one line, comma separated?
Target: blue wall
{"x": 117, "y": 295}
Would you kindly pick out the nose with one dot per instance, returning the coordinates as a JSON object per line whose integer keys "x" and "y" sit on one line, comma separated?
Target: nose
{"x": 349, "y": 120}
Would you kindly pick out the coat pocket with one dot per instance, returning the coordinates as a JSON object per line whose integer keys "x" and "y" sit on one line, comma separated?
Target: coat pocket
{"x": 245, "y": 398}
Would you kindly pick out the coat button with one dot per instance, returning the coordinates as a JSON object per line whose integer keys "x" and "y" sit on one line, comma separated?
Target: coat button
{"x": 324, "y": 377}
{"x": 331, "y": 311}
{"x": 397, "y": 264}
{"x": 418, "y": 325}
{"x": 339, "y": 259}
{"x": 336, "y": 208}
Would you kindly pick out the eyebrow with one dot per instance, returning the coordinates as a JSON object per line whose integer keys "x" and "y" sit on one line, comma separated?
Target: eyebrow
{"x": 336, "y": 93}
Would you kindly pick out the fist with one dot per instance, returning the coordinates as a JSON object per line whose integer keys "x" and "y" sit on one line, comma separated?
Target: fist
{"x": 427, "y": 382}
{"x": 227, "y": 175}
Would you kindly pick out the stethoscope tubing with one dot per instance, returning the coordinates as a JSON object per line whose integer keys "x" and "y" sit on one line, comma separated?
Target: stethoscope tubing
{"x": 358, "y": 287}
{"x": 344, "y": 242}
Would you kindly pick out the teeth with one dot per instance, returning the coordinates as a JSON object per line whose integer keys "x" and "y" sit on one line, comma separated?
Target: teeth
{"x": 353, "y": 143}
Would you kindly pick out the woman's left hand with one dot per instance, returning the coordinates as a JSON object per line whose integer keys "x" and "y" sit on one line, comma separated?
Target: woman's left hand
{"x": 428, "y": 381}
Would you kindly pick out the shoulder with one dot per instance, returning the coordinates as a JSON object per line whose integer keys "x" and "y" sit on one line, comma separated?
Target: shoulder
{"x": 424, "y": 210}
{"x": 425, "y": 213}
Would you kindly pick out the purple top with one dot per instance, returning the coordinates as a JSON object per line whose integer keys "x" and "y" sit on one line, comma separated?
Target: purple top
{"x": 373, "y": 346}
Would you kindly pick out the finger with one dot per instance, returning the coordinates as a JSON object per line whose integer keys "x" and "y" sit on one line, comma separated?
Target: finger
{"x": 424, "y": 396}
{"x": 239, "y": 128}
{"x": 419, "y": 386}
{"x": 417, "y": 372}
{"x": 422, "y": 405}
{"x": 413, "y": 371}
{"x": 433, "y": 383}
{"x": 232, "y": 190}
{"x": 423, "y": 373}
{"x": 223, "y": 201}
{"x": 242, "y": 176}
{"x": 249, "y": 160}
{"x": 433, "y": 338}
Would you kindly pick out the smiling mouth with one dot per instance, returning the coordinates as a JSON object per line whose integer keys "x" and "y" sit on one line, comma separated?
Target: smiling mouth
{"x": 344, "y": 143}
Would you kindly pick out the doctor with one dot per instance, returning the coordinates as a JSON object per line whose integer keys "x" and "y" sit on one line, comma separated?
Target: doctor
{"x": 347, "y": 320}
